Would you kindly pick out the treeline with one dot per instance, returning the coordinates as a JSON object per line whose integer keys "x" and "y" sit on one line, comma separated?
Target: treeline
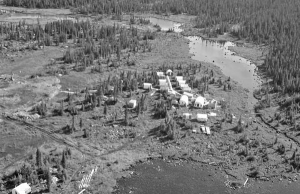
{"x": 86, "y": 6}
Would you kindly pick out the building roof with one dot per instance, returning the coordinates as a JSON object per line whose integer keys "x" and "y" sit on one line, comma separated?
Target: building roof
{"x": 202, "y": 116}
{"x": 23, "y": 188}
{"x": 200, "y": 99}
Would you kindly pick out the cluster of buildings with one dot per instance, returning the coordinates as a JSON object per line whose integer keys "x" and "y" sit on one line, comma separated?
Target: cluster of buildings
{"x": 187, "y": 98}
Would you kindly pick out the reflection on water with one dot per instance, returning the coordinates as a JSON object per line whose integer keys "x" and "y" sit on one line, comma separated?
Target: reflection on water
{"x": 237, "y": 68}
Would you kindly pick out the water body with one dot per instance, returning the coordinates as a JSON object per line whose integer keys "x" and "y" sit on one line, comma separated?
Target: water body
{"x": 166, "y": 24}
{"x": 237, "y": 68}
{"x": 160, "y": 177}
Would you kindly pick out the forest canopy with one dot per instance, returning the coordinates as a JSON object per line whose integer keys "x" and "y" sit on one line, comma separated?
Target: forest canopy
{"x": 271, "y": 22}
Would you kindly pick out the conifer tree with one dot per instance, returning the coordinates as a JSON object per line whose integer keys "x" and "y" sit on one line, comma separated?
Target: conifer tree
{"x": 39, "y": 158}
{"x": 64, "y": 160}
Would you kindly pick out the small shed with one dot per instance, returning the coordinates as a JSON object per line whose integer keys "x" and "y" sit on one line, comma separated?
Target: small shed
{"x": 132, "y": 104}
{"x": 148, "y": 86}
{"x": 207, "y": 129}
{"x": 199, "y": 102}
{"x": 23, "y": 188}
{"x": 184, "y": 100}
{"x": 203, "y": 129}
{"x": 202, "y": 117}
{"x": 187, "y": 115}
{"x": 169, "y": 72}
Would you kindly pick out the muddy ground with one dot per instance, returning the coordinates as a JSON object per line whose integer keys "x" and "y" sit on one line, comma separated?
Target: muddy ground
{"x": 252, "y": 152}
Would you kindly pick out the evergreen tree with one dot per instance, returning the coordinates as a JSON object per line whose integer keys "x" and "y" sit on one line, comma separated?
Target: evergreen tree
{"x": 39, "y": 158}
{"x": 126, "y": 115}
{"x": 49, "y": 180}
{"x": 64, "y": 160}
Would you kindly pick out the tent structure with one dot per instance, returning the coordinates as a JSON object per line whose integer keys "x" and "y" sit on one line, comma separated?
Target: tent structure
{"x": 169, "y": 72}
{"x": 23, "y": 188}
{"x": 202, "y": 117}
{"x": 148, "y": 86}
{"x": 187, "y": 115}
{"x": 199, "y": 102}
{"x": 184, "y": 100}
{"x": 132, "y": 104}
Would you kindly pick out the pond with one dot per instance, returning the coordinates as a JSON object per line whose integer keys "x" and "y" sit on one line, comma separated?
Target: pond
{"x": 165, "y": 24}
{"x": 237, "y": 68}
{"x": 160, "y": 177}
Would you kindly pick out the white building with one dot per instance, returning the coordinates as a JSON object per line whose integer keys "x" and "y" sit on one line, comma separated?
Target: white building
{"x": 202, "y": 117}
{"x": 184, "y": 100}
{"x": 23, "y": 188}
{"x": 187, "y": 115}
{"x": 199, "y": 102}
{"x": 148, "y": 86}
{"x": 132, "y": 104}
{"x": 207, "y": 129}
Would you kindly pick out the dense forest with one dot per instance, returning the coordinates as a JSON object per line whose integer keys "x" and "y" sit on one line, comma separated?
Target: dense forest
{"x": 92, "y": 42}
{"x": 271, "y": 22}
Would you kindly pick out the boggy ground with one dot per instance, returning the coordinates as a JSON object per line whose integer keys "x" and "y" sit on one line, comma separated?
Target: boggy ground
{"x": 253, "y": 151}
